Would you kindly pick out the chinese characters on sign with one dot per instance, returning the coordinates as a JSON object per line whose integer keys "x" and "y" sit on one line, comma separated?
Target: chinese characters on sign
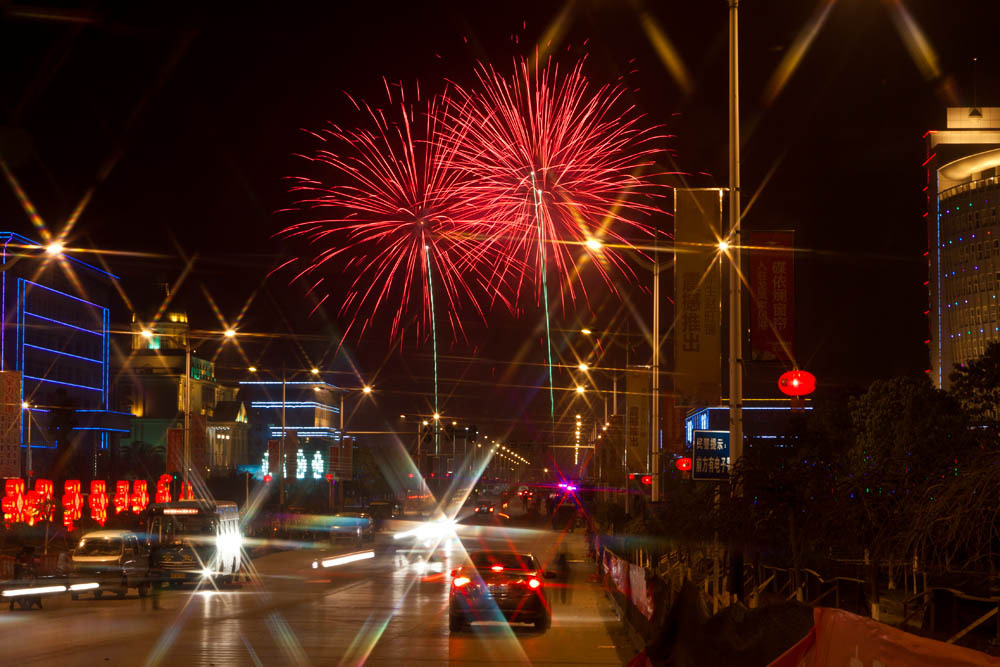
{"x": 710, "y": 455}
{"x": 772, "y": 315}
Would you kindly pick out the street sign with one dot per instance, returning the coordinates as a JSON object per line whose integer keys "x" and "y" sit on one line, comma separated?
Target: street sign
{"x": 710, "y": 455}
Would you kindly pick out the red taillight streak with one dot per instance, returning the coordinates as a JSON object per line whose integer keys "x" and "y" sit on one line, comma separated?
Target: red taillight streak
{"x": 497, "y": 568}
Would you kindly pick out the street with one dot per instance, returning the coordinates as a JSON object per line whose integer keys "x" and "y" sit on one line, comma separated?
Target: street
{"x": 377, "y": 611}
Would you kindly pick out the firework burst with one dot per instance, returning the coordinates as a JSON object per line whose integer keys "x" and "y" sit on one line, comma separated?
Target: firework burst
{"x": 393, "y": 211}
{"x": 545, "y": 153}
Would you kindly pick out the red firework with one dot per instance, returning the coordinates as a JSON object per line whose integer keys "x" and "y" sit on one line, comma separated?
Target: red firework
{"x": 393, "y": 202}
{"x": 543, "y": 151}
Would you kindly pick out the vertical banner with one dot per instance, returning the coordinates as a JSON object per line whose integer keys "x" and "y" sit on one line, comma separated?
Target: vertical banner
{"x": 175, "y": 449}
{"x": 772, "y": 295}
{"x": 10, "y": 424}
{"x": 199, "y": 443}
{"x": 292, "y": 454}
{"x": 697, "y": 328}
{"x": 273, "y": 449}
{"x": 638, "y": 389}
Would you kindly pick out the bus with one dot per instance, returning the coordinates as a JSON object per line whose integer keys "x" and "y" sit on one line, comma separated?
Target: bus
{"x": 194, "y": 541}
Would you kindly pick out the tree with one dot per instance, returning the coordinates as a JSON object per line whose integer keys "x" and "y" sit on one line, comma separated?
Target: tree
{"x": 143, "y": 460}
{"x": 976, "y": 385}
{"x": 909, "y": 436}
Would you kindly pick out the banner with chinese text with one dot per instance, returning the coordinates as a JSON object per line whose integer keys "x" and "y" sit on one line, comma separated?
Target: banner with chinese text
{"x": 772, "y": 295}
{"x": 697, "y": 326}
{"x": 10, "y": 424}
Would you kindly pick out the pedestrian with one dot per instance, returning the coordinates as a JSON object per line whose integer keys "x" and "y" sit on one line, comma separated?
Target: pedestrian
{"x": 562, "y": 574}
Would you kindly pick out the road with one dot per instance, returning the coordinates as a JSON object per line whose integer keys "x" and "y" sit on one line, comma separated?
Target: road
{"x": 377, "y": 611}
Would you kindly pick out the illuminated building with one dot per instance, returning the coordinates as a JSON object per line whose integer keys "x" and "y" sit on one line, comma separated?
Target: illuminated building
{"x": 152, "y": 387}
{"x": 963, "y": 237}
{"x": 55, "y": 343}
{"x": 312, "y": 422}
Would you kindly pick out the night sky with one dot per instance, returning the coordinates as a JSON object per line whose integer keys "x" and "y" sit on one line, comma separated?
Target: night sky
{"x": 185, "y": 119}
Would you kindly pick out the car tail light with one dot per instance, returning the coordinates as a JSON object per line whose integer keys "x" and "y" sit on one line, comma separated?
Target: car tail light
{"x": 461, "y": 581}
{"x": 534, "y": 583}
{"x": 497, "y": 568}
{"x": 491, "y": 509}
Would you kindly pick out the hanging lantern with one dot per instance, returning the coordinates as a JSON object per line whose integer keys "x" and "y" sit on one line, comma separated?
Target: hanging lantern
{"x": 797, "y": 383}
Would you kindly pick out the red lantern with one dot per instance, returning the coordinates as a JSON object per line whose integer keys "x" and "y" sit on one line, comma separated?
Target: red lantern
{"x": 140, "y": 496}
{"x": 683, "y": 463}
{"x": 797, "y": 383}
{"x": 98, "y": 501}
{"x": 72, "y": 502}
{"x": 163, "y": 488}
{"x": 121, "y": 496}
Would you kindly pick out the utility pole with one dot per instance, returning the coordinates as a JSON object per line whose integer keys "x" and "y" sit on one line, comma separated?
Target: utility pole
{"x": 281, "y": 452}
{"x": 654, "y": 435}
{"x": 187, "y": 414}
{"x": 735, "y": 245}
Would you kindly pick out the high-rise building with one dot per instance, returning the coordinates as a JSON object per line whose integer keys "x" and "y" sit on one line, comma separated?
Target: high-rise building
{"x": 963, "y": 238}
{"x": 55, "y": 358}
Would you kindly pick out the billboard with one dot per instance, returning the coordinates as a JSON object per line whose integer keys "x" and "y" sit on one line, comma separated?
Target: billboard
{"x": 710, "y": 455}
{"x": 10, "y": 424}
{"x": 772, "y": 295}
{"x": 697, "y": 327}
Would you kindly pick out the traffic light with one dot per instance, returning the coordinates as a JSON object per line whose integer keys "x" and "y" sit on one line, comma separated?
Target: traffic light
{"x": 268, "y": 478}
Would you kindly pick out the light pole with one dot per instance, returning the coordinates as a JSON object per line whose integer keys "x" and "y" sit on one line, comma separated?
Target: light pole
{"x": 27, "y": 472}
{"x": 734, "y": 239}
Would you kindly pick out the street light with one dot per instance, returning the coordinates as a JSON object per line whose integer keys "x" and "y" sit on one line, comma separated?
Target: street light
{"x": 146, "y": 333}
{"x": 580, "y": 389}
{"x": 366, "y": 389}
{"x": 586, "y": 332}
{"x": 229, "y": 333}
{"x": 583, "y": 366}
{"x": 315, "y": 371}
{"x": 594, "y": 244}
{"x": 54, "y": 248}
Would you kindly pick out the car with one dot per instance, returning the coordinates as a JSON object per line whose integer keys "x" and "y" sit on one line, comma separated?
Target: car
{"x": 352, "y": 525}
{"x": 485, "y": 507}
{"x": 114, "y": 559}
{"x": 382, "y": 510}
{"x": 497, "y": 584}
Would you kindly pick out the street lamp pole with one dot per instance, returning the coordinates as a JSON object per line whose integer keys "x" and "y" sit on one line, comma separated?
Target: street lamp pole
{"x": 653, "y": 460}
{"x": 281, "y": 450}
{"x": 187, "y": 414}
{"x": 735, "y": 273}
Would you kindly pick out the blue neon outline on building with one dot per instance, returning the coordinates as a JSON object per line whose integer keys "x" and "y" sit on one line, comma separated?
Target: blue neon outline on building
{"x": 23, "y": 286}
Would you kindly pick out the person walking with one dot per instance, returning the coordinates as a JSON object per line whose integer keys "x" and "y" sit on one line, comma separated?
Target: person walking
{"x": 562, "y": 574}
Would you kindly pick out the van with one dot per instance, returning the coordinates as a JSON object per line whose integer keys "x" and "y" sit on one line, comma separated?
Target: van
{"x": 115, "y": 560}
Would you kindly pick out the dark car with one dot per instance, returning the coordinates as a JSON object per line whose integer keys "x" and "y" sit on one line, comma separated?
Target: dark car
{"x": 499, "y": 585}
{"x": 382, "y": 510}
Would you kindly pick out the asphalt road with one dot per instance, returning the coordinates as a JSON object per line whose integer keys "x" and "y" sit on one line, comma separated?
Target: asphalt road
{"x": 377, "y": 611}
